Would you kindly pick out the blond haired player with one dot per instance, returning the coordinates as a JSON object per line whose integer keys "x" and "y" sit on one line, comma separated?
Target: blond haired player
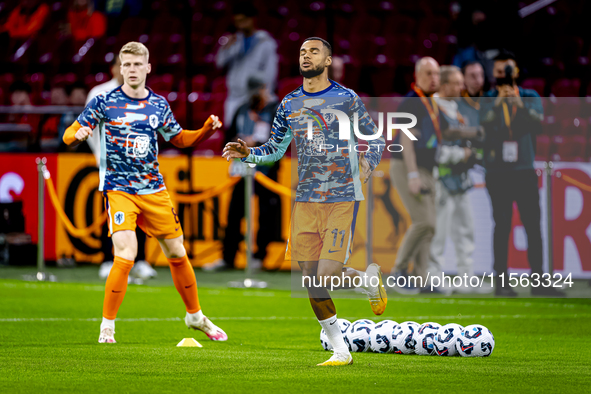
{"x": 130, "y": 118}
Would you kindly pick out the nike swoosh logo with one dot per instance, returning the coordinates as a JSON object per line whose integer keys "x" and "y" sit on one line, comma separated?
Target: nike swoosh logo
{"x": 186, "y": 287}
{"x": 116, "y": 291}
{"x": 333, "y": 251}
{"x": 333, "y": 322}
{"x": 177, "y": 228}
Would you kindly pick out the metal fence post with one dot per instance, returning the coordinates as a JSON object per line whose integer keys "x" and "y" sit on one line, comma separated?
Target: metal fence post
{"x": 369, "y": 216}
{"x": 549, "y": 235}
{"x": 248, "y": 236}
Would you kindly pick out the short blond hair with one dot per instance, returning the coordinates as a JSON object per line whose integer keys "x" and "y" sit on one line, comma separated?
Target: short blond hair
{"x": 134, "y": 48}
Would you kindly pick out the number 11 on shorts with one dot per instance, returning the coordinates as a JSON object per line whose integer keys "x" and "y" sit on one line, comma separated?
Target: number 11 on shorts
{"x": 335, "y": 232}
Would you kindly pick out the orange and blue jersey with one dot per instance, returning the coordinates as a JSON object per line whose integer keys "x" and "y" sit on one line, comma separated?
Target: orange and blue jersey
{"x": 129, "y": 141}
{"x": 328, "y": 166}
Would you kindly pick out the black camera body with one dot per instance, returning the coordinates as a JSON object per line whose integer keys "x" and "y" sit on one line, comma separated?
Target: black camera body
{"x": 508, "y": 78}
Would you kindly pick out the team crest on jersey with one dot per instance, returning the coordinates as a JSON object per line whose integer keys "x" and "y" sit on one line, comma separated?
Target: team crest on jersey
{"x": 153, "y": 121}
{"x": 138, "y": 145}
{"x": 314, "y": 146}
{"x": 119, "y": 218}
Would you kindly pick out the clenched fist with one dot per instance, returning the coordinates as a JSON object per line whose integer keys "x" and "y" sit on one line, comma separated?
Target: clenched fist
{"x": 83, "y": 133}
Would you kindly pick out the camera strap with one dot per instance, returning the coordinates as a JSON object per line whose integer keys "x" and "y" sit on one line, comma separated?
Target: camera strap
{"x": 432, "y": 109}
{"x": 509, "y": 119}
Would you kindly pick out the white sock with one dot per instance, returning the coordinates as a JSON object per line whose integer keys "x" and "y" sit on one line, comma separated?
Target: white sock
{"x": 107, "y": 323}
{"x": 195, "y": 316}
{"x": 334, "y": 334}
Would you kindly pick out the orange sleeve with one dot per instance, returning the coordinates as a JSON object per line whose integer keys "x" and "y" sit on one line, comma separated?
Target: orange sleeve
{"x": 187, "y": 138}
{"x": 69, "y": 134}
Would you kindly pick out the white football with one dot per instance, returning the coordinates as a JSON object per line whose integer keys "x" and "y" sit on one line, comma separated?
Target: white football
{"x": 475, "y": 341}
{"x": 446, "y": 338}
{"x": 358, "y": 335}
{"x": 403, "y": 338}
{"x": 425, "y": 337}
{"x": 381, "y": 336}
{"x": 414, "y": 323}
{"x": 326, "y": 345}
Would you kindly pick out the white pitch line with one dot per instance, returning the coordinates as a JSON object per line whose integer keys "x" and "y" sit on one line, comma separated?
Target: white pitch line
{"x": 270, "y": 318}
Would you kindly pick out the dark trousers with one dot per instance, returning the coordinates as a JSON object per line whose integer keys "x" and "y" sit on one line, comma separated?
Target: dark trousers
{"x": 107, "y": 244}
{"x": 521, "y": 187}
{"x": 269, "y": 220}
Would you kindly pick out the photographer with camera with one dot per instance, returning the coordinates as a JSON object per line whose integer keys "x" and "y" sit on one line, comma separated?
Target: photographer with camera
{"x": 455, "y": 156}
{"x": 512, "y": 118}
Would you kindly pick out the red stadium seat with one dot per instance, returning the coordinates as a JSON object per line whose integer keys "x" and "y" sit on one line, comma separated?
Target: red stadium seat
{"x": 287, "y": 85}
{"x": 566, "y": 108}
{"x": 542, "y": 147}
{"x": 569, "y": 148}
{"x": 537, "y": 84}
{"x": 219, "y": 85}
{"x": 576, "y": 126}
{"x": 565, "y": 87}
{"x": 160, "y": 82}
{"x": 198, "y": 82}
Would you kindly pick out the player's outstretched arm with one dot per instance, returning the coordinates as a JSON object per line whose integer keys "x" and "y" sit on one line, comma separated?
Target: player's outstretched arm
{"x": 236, "y": 150}
{"x": 188, "y": 138}
{"x": 76, "y": 134}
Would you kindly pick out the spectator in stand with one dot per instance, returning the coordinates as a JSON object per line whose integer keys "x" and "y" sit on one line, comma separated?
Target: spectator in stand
{"x": 85, "y": 22}
{"x": 20, "y": 94}
{"x": 26, "y": 19}
{"x": 247, "y": 54}
{"x": 55, "y": 124}
{"x": 77, "y": 94}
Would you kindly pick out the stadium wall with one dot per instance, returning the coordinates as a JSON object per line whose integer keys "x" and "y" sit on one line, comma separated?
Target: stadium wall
{"x": 76, "y": 179}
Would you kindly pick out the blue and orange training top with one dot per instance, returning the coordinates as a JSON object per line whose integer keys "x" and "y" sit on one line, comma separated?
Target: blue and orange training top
{"x": 328, "y": 166}
{"x": 129, "y": 140}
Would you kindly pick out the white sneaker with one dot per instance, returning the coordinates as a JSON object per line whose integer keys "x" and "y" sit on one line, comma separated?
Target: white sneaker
{"x": 212, "y": 331}
{"x": 338, "y": 359}
{"x": 142, "y": 270}
{"x": 107, "y": 335}
{"x": 217, "y": 265}
{"x": 105, "y": 269}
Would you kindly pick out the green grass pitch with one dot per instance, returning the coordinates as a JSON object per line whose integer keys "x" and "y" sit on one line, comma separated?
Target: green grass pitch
{"x": 49, "y": 332}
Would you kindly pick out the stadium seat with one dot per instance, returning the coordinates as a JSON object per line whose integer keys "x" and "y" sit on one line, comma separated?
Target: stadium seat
{"x": 542, "y": 147}
{"x": 569, "y": 148}
{"x": 576, "y": 126}
{"x": 566, "y": 108}
{"x": 219, "y": 85}
{"x": 537, "y": 84}
{"x": 198, "y": 82}
{"x": 161, "y": 82}
{"x": 550, "y": 127}
{"x": 287, "y": 85}
{"x": 565, "y": 87}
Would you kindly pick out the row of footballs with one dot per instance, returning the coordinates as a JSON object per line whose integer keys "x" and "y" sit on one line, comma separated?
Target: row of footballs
{"x": 409, "y": 337}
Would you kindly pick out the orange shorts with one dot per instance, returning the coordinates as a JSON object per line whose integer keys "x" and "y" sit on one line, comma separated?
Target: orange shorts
{"x": 154, "y": 213}
{"x": 320, "y": 231}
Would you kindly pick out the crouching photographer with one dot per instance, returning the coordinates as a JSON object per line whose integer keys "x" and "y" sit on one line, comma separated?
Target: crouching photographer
{"x": 512, "y": 118}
